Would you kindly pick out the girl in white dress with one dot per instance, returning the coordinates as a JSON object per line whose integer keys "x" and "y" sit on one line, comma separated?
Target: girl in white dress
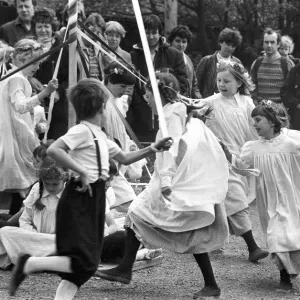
{"x": 231, "y": 122}
{"x": 17, "y": 139}
{"x": 182, "y": 209}
{"x": 277, "y": 156}
{"x": 36, "y": 235}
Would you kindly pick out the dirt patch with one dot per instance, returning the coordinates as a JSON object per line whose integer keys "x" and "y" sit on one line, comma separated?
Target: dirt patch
{"x": 177, "y": 278}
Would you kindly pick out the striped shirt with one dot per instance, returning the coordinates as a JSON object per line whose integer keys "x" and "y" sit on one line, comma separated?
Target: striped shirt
{"x": 270, "y": 78}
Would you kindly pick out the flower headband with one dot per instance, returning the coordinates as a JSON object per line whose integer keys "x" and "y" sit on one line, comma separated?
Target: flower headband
{"x": 234, "y": 65}
{"x": 117, "y": 71}
{"x": 269, "y": 105}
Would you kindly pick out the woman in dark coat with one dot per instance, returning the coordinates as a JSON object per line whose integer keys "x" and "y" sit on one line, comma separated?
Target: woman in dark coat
{"x": 45, "y": 27}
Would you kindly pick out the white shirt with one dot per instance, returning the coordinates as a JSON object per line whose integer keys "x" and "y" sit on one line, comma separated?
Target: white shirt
{"x": 80, "y": 141}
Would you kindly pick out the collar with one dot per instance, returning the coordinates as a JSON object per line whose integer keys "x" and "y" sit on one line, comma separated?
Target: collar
{"x": 275, "y": 141}
{"x": 19, "y": 22}
{"x": 58, "y": 195}
{"x": 275, "y": 57}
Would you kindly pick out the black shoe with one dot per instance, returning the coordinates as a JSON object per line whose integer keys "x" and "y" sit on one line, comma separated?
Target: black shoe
{"x": 258, "y": 254}
{"x": 115, "y": 275}
{"x": 208, "y": 292}
{"x": 18, "y": 275}
{"x": 285, "y": 285}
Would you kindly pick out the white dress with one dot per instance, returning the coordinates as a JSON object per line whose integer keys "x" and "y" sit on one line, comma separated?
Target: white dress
{"x": 36, "y": 235}
{"x": 17, "y": 139}
{"x": 115, "y": 129}
{"x": 278, "y": 196}
{"x": 194, "y": 219}
{"x": 231, "y": 122}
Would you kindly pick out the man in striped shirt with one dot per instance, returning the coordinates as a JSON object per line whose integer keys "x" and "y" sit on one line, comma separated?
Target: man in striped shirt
{"x": 269, "y": 71}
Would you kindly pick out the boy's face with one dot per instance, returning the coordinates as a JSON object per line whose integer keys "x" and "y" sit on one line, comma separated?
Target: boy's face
{"x": 153, "y": 37}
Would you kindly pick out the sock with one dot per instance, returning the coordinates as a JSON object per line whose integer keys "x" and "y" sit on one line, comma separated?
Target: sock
{"x": 16, "y": 203}
{"x": 203, "y": 261}
{"x": 66, "y": 290}
{"x": 50, "y": 263}
{"x": 249, "y": 239}
{"x": 131, "y": 248}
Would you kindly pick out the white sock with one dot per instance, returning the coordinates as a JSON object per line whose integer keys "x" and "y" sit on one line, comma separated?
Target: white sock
{"x": 49, "y": 263}
{"x": 66, "y": 290}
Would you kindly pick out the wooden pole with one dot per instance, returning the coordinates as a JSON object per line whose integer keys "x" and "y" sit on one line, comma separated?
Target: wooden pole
{"x": 161, "y": 116}
{"x": 73, "y": 16}
{"x": 171, "y": 15}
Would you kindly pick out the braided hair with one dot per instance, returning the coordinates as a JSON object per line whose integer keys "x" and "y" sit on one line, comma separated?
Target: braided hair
{"x": 49, "y": 170}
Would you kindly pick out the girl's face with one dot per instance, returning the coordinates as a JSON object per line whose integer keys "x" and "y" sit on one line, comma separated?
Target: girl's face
{"x": 227, "y": 84}
{"x": 179, "y": 43}
{"x": 53, "y": 186}
{"x": 264, "y": 127}
{"x": 149, "y": 98}
{"x": 118, "y": 90}
{"x": 284, "y": 49}
{"x": 113, "y": 39}
{"x": 43, "y": 30}
{"x": 30, "y": 70}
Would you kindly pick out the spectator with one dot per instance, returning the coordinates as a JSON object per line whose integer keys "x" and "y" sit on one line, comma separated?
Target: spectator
{"x": 164, "y": 58}
{"x": 44, "y": 29}
{"x": 268, "y": 72}
{"x": 179, "y": 38}
{"x": 290, "y": 95}
{"x": 21, "y": 27}
{"x": 287, "y": 47}
{"x": 206, "y": 70}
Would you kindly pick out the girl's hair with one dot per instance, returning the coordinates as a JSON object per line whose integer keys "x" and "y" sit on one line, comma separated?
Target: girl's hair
{"x": 95, "y": 19}
{"x": 25, "y": 50}
{"x": 45, "y": 15}
{"x": 49, "y": 170}
{"x": 88, "y": 97}
{"x": 274, "y": 112}
{"x": 168, "y": 86}
{"x": 40, "y": 151}
{"x": 181, "y": 31}
{"x": 114, "y": 26}
{"x": 287, "y": 40}
{"x": 35, "y": 84}
{"x": 240, "y": 74}
{"x": 116, "y": 74}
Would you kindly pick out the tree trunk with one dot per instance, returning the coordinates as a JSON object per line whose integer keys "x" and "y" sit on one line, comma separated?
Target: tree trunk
{"x": 281, "y": 15}
{"x": 202, "y": 40}
{"x": 171, "y": 13}
{"x": 226, "y": 13}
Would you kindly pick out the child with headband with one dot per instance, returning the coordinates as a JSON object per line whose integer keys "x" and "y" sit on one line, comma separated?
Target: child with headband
{"x": 277, "y": 156}
{"x": 232, "y": 124}
{"x": 17, "y": 138}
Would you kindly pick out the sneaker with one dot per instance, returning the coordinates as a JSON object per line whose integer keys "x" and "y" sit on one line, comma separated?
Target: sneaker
{"x": 115, "y": 274}
{"x": 208, "y": 292}
{"x": 18, "y": 275}
{"x": 258, "y": 254}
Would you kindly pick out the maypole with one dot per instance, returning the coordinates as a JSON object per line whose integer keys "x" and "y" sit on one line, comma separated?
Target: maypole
{"x": 73, "y": 16}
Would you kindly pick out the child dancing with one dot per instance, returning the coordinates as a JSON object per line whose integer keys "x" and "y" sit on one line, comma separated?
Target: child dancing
{"x": 36, "y": 235}
{"x": 231, "y": 122}
{"x": 182, "y": 209}
{"x": 85, "y": 150}
{"x": 17, "y": 138}
{"x": 277, "y": 156}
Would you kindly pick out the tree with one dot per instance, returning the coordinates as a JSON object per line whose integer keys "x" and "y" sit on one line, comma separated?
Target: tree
{"x": 171, "y": 11}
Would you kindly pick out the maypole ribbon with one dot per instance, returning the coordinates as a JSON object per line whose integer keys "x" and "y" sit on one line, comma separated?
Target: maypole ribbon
{"x": 52, "y": 97}
{"x": 161, "y": 116}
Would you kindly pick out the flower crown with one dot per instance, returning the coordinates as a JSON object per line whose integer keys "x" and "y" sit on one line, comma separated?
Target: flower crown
{"x": 117, "y": 71}
{"x": 270, "y": 106}
{"x": 28, "y": 48}
{"x": 234, "y": 65}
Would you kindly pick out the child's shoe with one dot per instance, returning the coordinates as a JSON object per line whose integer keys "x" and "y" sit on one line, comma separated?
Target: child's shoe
{"x": 115, "y": 274}
{"x": 258, "y": 254}
{"x": 285, "y": 285}
{"x": 208, "y": 292}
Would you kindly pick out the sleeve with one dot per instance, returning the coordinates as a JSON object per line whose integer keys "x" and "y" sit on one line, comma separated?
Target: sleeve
{"x": 253, "y": 74}
{"x": 246, "y": 158}
{"x": 26, "y": 219}
{"x": 75, "y": 138}
{"x": 20, "y": 102}
{"x": 113, "y": 148}
{"x": 168, "y": 166}
{"x": 180, "y": 72}
{"x": 200, "y": 72}
{"x": 290, "y": 64}
{"x": 287, "y": 91}
{"x": 195, "y": 88}
{"x": 3, "y": 35}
